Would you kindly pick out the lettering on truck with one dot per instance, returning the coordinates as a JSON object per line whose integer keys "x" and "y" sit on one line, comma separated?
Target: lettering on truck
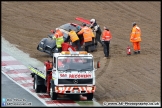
{"x": 63, "y": 75}
{"x": 80, "y": 76}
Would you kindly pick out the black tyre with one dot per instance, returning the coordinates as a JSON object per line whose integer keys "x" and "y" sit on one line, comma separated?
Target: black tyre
{"x": 89, "y": 96}
{"x": 35, "y": 85}
{"x": 38, "y": 47}
{"x": 44, "y": 89}
{"x": 53, "y": 95}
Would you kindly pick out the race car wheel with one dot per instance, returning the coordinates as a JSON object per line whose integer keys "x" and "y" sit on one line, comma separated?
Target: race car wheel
{"x": 38, "y": 47}
{"x": 89, "y": 96}
{"x": 35, "y": 85}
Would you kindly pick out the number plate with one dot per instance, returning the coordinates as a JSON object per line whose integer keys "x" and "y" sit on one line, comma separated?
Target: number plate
{"x": 75, "y": 91}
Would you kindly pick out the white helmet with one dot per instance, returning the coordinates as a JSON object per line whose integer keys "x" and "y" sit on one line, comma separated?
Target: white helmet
{"x": 93, "y": 20}
{"x": 57, "y": 29}
{"x": 134, "y": 23}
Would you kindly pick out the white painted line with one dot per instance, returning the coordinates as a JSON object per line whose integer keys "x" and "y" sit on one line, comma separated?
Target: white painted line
{"x": 8, "y": 58}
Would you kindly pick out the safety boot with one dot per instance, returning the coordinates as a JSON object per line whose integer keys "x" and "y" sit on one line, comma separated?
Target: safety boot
{"x": 138, "y": 52}
{"x": 135, "y": 52}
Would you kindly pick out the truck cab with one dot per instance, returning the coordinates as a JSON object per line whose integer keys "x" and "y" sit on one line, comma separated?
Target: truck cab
{"x": 73, "y": 73}
{"x": 69, "y": 73}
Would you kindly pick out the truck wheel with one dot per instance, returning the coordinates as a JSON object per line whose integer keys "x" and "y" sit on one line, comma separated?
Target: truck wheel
{"x": 53, "y": 94}
{"x": 36, "y": 86}
{"x": 89, "y": 96}
{"x": 44, "y": 89}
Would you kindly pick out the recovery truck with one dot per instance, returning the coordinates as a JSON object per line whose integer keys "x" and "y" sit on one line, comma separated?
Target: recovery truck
{"x": 70, "y": 73}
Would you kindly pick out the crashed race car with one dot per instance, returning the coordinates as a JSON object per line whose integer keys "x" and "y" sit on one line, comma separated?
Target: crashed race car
{"x": 48, "y": 45}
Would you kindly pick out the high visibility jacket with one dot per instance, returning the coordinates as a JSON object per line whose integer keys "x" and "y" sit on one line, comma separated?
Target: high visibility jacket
{"x": 92, "y": 33}
{"x": 73, "y": 36}
{"x": 58, "y": 33}
{"x": 106, "y": 35}
{"x": 59, "y": 41}
{"x": 135, "y": 35}
{"x": 87, "y": 34}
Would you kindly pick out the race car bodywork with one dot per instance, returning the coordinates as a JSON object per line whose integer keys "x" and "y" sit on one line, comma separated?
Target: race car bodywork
{"x": 48, "y": 45}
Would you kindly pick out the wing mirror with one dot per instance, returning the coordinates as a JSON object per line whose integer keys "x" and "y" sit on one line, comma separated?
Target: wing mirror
{"x": 54, "y": 69}
{"x": 98, "y": 64}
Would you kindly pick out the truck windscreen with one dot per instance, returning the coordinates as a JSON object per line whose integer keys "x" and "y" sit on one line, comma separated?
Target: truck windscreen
{"x": 75, "y": 63}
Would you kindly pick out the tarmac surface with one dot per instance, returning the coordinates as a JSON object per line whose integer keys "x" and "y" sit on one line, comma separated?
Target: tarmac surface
{"x": 8, "y": 92}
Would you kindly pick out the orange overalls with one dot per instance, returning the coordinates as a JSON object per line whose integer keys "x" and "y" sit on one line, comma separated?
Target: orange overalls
{"x": 58, "y": 33}
{"x": 87, "y": 35}
{"x": 135, "y": 38}
{"x": 106, "y": 37}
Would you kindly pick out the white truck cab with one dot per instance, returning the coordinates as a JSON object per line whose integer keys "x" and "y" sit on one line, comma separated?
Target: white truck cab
{"x": 70, "y": 73}
{"x": 74, "y": 73}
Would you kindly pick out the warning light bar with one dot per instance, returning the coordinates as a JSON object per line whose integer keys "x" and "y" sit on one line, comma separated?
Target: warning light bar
{"x": 65, "y": 52}
{"x": 75, "y": 52}
{"x": 83, "y": 52}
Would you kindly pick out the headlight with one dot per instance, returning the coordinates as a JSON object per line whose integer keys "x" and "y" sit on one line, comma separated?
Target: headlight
{"x": 40, "y": 47}
{"x": 89, "y": 88}
{"x": 60, "y": 88}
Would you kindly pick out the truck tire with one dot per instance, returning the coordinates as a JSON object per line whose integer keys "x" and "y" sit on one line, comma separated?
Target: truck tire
{"x": 35, "y": 85}
{"x": 89, "y": 96}
{"x": 44, "y": 89}
{"x": 53, "y": 94}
